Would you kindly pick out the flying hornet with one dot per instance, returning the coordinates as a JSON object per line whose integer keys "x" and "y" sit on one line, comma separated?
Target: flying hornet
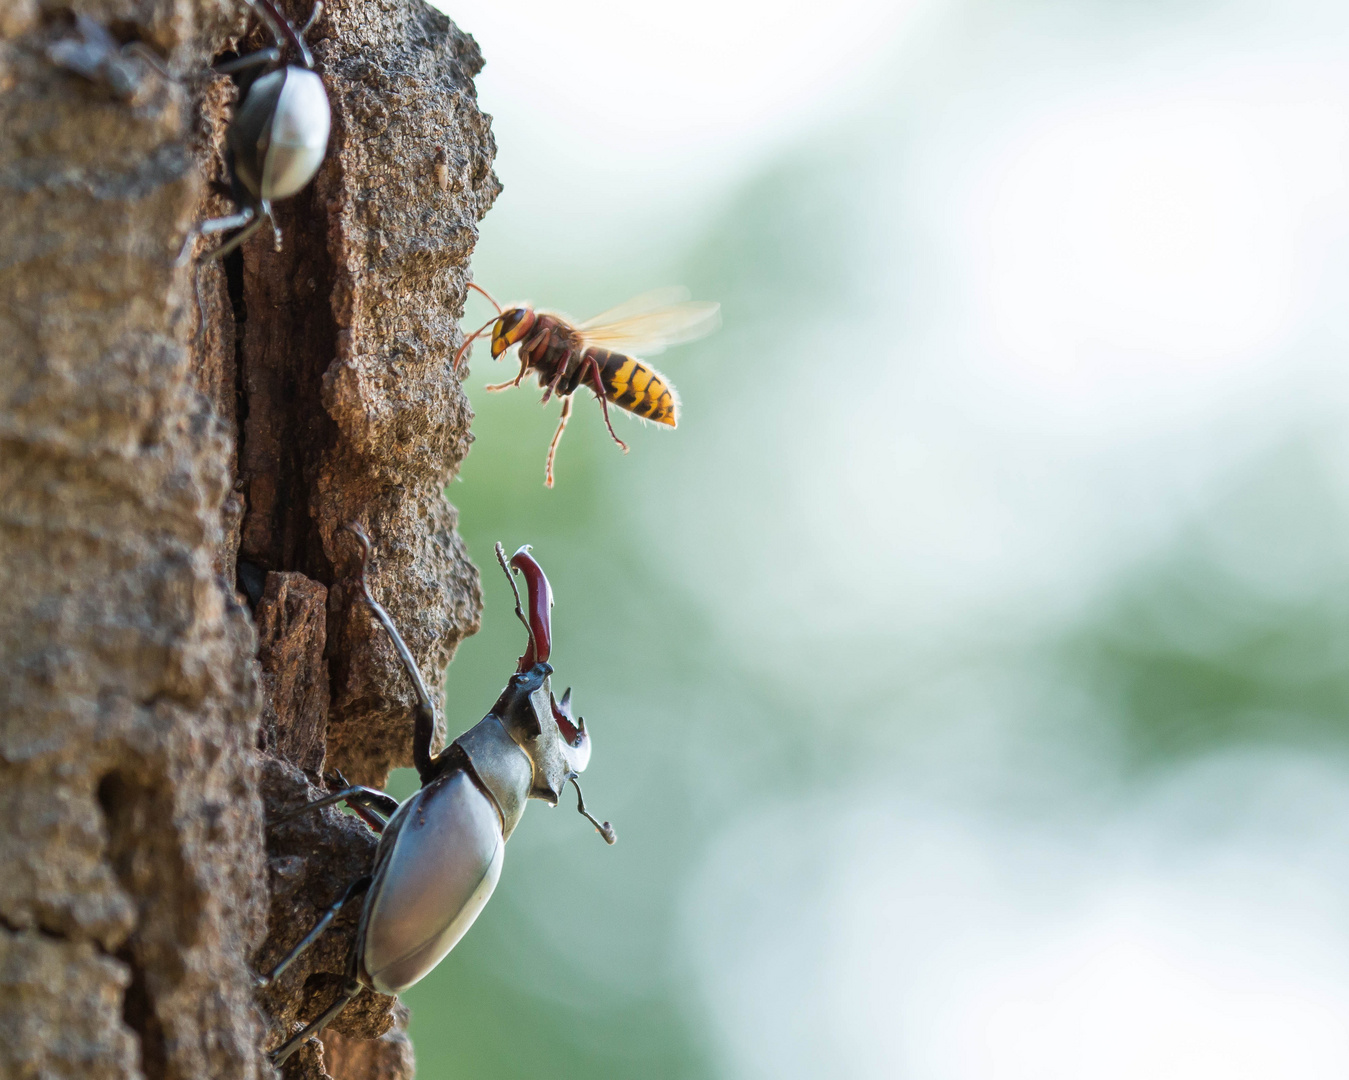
{"x": 566, "y": 355}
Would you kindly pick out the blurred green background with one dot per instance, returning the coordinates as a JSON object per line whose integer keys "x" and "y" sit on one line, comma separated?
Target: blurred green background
{"x": 966, "y": 672}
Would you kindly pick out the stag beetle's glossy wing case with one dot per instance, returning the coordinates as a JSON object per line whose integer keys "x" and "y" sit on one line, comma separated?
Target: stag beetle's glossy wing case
{"x": 299, "y": 135}
{"x": 250, "y": 133}
{"x": 438, "y": 864}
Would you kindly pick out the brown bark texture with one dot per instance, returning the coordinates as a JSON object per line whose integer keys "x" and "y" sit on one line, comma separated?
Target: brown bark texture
{"x": 183, "y": 657}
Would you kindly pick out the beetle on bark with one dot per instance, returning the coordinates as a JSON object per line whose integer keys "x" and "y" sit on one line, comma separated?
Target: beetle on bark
{"x": 276, "y": 141}
{"x": 440, "y": 852}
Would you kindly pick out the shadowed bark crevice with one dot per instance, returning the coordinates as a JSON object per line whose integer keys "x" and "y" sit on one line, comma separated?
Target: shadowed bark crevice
{"x": 138, "y": 1013}
{"x": 287, "y": 343}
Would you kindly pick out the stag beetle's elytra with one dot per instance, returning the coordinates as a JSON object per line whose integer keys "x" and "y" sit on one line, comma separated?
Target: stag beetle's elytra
{"x": 440, "y": 852}
{"x": 278, "y": 136}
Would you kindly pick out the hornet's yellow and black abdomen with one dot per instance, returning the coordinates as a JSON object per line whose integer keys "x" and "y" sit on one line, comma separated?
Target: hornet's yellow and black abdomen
{"x": 636, "y": 386}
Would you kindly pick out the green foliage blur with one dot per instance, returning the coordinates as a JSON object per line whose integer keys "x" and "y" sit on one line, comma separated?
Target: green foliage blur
{"x": 572, "y": 970}
{"x": 737, "y": 641}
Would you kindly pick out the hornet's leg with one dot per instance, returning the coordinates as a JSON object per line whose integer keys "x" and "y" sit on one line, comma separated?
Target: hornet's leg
{"x": 524, "y": 368}
{"x": 525, "y": 351}
{"x": 591, "y": 368}
{"x": 537, "y": 338}
{"x": 330, "y": 913}
{"x": 552, "y": 387}
{"x": 557, "y": 438}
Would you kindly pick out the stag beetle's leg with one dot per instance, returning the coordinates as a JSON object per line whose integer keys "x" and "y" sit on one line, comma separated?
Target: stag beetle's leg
{"x": 196, "y": 291}
{"x": 604, "y": 829}
{"x": 350, "y": 989}
{"x": 283, "y": 33}
{"x": 144, "y": 52}
{"x": 371, "y": 806}
{"x": 238, "y": 238}
{"x": 533, "y": 651}
{"x": 212, "y": 225}
{"x": 314, "y": 17}
{"x": 225, "y": 224}
{"x": 373, "y": 820}
{"x": 363, "y": 796}
{"x": 354, "y": 889}
{"x": 241, "y": 63}
{"x": 424, "y": 712}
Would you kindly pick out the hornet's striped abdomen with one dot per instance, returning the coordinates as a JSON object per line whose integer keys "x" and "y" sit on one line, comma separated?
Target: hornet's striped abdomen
{"x": 636, "y": 386}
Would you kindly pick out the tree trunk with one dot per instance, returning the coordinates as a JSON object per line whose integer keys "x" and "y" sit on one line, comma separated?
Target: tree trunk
{"x": 182, "y": 656}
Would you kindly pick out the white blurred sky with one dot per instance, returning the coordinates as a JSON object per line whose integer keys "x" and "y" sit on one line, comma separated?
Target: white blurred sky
{"x": 1106, "y": 267}
{"x": 1117, "y": 236}
{"x": 616, "y": 118}
{"x": 1198, "y": 931}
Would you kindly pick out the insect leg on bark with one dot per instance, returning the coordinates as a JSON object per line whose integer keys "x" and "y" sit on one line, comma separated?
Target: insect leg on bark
{"x": 356, "y": 888}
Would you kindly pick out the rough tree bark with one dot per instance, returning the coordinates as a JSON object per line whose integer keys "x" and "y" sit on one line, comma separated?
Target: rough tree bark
{"x": 181, "y": 654}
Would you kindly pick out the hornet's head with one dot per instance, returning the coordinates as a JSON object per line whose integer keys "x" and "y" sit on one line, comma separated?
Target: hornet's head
{"x": 510, "y": 329}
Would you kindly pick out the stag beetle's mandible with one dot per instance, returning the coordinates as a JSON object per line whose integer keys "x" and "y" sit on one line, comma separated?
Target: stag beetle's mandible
{"x": 279, "y": 133}
{"x": 440, "y": 852}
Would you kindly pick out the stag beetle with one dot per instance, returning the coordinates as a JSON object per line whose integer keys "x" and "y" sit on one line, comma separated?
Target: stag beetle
{"x": 440, "y": 852}
{"x": 92, "y": 52}
{"x": 279, "y": 134}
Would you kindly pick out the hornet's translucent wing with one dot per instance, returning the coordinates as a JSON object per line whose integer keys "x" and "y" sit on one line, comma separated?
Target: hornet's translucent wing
{"x": 648, "y": 323}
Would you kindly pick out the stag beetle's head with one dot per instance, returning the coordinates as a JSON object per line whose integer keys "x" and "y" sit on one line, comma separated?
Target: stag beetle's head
{"x": 557, "y": 744}
{"x": 575, "y": 738}
{"x": 558, "y": 748}
{"x": 523, "y": 707}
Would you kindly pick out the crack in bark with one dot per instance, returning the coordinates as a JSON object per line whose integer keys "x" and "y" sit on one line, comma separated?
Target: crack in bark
{"x": 129, "y": 807}
{"x": 287, "y": 342}
{"x": 138, "y": 1013}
